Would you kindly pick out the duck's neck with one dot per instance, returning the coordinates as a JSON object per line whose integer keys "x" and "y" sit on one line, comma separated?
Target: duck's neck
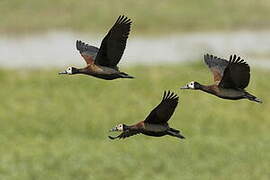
{"x": 139, "y": 125}
{"x": 127, "y": 127}
{"x": 207, "y": 89}
{"x": 81, "y": 71}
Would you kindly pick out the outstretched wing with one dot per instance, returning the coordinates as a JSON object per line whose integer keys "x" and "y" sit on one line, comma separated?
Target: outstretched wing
{"x": 114, "y": 43}
{"x": 236, "y": 74}
{"x": 216, "y": 65}
{"x": 125, "y": 134}
{"x": 88, "y": 52}
{"x": 163, "y": 112}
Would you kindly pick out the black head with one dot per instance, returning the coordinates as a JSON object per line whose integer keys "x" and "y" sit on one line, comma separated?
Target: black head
{"x": 69, "y": 71}
{"x": 192, "y": 85}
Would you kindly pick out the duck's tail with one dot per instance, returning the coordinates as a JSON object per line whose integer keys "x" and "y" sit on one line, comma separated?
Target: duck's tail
{"x": 125, "y": 75}
{"x": 175, "y": 133}
{"x": 253, "y": 98}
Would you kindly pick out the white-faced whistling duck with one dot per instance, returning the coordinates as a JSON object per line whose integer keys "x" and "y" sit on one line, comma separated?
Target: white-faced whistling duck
{"x": 231, "y": 78}
{"x": 155, "y": 123}
{"x": 102, "y": 63}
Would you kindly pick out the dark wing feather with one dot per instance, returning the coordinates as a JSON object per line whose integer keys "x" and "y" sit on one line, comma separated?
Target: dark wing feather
{"x": 163, "y": 112}
{"x": 88, "y": 52}
{"x": 114, "y": 43}
{"x": 216, "y": 65}
{"x": 125, "y": 134}
{"x": 236, "y": 74}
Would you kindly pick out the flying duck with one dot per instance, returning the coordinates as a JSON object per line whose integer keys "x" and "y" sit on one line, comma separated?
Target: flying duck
{"x": 231, "y": 78}
{"x": 155, "y": 123}
{"x": 102, "y": 63}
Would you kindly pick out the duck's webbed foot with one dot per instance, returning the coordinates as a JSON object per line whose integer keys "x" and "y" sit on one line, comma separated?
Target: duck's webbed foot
{"x": 114, "y": 137}
{"x": 125, "y": 134}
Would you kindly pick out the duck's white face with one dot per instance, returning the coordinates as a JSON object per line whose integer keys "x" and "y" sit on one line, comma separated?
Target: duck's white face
{"x": 120, "y": 127}
{"x": 69, "y": 70}
{"x": 191, "y": 85}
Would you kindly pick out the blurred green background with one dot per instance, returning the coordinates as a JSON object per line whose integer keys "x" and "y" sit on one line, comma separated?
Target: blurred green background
{"x": 56, "y": 127}
{"x": 151, "y": 16}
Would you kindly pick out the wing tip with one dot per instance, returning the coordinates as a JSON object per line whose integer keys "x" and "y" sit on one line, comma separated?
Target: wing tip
{"x": 81, "y": 46}
{"x": 207, "y": 56}
{"x": 170, "y": 95}
{"x": 237, "y": 60}
{"x": 210, "y": 56}
{"x": 78, "y": 44}
{"x": 122, "y": 19}
{"x": 233, "y": 58}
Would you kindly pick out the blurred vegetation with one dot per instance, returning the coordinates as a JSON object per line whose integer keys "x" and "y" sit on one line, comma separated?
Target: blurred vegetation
{"x": 56, "y": 127}
{"x": 149, "y": 16}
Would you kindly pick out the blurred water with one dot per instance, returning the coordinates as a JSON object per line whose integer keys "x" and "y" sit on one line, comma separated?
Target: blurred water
{"x": 57, "y": 49}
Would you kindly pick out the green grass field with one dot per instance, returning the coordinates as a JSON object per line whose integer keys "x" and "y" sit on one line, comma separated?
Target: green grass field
{"x": 149, "y": 16}
{"x": 56, "y": 127}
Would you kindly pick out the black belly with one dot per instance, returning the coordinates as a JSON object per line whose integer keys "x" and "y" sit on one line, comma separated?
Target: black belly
{"x": 229, "y": 97}
{"x": 106, "y": 76}
{"x": 232, "y": 98}
{"x": 156, "y": 134}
